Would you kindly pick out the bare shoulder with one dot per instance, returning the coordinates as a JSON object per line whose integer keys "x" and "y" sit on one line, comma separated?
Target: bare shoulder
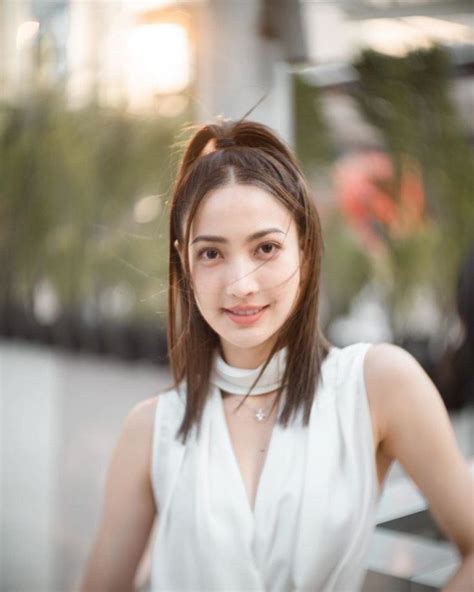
{"x": 386, "y": 360}
{"x": 140, "y": 420}
{"x": 396, "y": 383}
{"x": 142, "y": 413}
{"x": 138, "y": 425}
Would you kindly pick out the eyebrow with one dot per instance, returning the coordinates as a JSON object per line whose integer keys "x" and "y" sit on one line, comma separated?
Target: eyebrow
{"x": 221, "y": 239}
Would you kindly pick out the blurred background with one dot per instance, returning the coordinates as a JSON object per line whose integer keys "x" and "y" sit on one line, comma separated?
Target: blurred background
{"x": 375, "y": 96}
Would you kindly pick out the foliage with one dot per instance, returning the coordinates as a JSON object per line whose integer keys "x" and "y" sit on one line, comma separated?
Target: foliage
{"x": 311, "y": 132}
{"x": 408, "y": 100}
{"x": 69, "y": 182}
{"x": 346, "y": 268}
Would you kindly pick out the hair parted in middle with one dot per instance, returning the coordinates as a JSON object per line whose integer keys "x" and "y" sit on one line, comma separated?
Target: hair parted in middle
{"x": 246, "y": 153}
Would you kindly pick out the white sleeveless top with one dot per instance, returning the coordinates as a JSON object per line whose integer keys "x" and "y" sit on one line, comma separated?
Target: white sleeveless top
{"x": 316, "y": 500}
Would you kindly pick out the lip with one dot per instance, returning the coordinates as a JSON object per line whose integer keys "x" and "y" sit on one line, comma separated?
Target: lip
{"x": 238, "y": 309}
{"x": 247, "y": 319}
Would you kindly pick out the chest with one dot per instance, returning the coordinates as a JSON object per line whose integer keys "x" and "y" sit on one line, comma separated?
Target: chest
{"x": 250, "y": 440}
{"x": 310, "y": 506}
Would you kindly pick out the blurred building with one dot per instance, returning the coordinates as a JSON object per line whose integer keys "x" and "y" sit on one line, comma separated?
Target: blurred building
{"x": 337, "y": 31}
{"x": 228, "y": 55}
{"x": 34, "y": 45}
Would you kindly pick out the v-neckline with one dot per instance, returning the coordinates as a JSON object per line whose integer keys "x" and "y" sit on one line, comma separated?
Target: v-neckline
{"x": 266, "y": 468}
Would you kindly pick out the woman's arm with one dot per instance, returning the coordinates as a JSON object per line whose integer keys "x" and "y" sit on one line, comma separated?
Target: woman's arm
{"x": 416, "y": 430}
{"x": 128, "y": 508}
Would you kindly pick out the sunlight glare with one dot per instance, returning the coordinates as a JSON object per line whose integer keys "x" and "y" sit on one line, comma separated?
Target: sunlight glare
{"x": 26, "y": 32}
{"x": 157, "y": 61}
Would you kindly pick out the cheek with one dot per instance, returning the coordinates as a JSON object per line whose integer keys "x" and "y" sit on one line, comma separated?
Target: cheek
{"x": 206, "y": 294}
{"x": 282, "y": 276}
{"x": 287, "y": 288}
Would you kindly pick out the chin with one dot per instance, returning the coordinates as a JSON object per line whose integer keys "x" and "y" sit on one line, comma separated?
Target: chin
{"x": 245, "y": 341}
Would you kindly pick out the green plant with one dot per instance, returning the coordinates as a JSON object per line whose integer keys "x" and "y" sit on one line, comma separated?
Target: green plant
{"x": 69, "y": 183}
{"x": 408, "y": 100}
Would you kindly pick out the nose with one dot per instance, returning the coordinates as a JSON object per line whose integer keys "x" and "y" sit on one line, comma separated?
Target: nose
{"x": 242, "y": 280}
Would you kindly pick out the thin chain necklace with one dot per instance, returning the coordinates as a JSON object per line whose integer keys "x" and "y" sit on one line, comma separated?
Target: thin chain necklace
{"x": 260, "y": 414}
{"x": 238, "y": 381}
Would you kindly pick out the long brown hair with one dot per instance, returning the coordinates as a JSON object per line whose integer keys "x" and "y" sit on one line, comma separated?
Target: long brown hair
{"x": 246, "y": 153}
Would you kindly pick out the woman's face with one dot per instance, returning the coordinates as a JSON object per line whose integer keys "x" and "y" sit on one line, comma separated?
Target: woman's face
{"x": 244, "y": 257}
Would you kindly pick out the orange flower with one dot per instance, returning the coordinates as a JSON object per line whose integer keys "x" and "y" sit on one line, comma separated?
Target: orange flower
{"x": 373, "y": 202}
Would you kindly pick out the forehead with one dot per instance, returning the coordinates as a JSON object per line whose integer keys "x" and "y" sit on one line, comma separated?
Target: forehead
{"x": 238, "y": 210}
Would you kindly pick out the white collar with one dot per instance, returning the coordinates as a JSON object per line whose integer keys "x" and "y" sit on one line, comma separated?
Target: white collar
{"x": 237, "y": 381}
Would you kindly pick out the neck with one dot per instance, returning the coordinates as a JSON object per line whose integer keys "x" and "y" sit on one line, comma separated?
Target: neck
{"x": 238, "y": 381}
{"x": 245, "y": 357}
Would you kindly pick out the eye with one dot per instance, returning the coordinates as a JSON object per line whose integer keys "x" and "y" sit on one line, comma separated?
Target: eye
{"x": 210, "y": 250}
{"x": 211, "y": 253}
{"x": 269, "y": 248}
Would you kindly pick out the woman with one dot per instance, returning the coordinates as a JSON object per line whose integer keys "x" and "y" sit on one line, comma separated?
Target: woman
{"x": 265, "y": 461}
